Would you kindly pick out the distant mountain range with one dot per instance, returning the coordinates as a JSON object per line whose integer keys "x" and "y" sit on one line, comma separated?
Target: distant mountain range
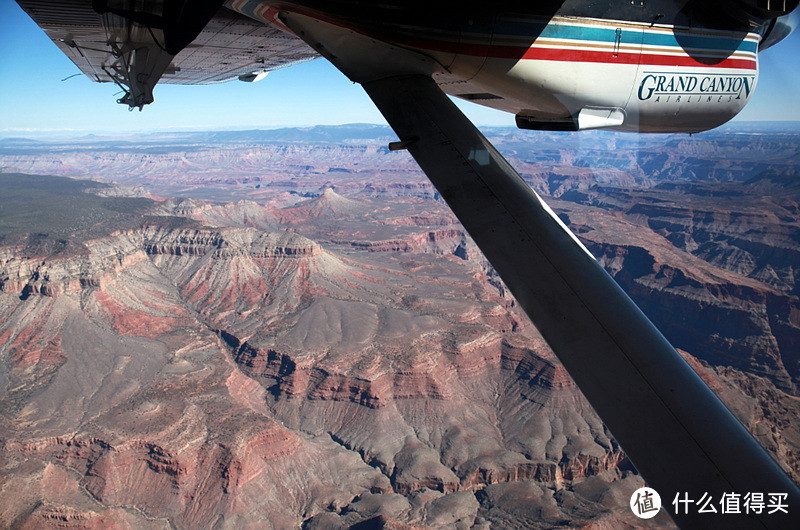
{"x": 329, "y": 134}
{"x": 227, "y": 164}
{"x": 319, "y": 133}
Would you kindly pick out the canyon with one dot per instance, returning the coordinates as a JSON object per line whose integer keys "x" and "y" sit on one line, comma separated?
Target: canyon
{"x": 308, "y": 338}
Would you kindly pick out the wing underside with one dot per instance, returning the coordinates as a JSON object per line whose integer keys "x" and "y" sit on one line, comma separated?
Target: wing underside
{"x": 104, "y": 46}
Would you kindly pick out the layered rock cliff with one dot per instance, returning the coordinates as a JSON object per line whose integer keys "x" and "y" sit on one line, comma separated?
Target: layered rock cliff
{"x": 347, "y": 361}
{"x": 201, "y": 376}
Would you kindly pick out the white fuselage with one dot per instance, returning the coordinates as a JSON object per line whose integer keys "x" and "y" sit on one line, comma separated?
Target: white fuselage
{"x": 620, "y": 75}
{"x": 561, "y": 72}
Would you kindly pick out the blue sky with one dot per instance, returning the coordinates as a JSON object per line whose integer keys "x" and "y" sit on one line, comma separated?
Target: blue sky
{"x": 34, "y": 100}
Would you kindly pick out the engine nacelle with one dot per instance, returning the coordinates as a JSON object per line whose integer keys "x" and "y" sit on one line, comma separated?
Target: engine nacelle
{"x": 758, "y": 10}
{"x": 778, "y": 29}
{"x": 580, "y": 73}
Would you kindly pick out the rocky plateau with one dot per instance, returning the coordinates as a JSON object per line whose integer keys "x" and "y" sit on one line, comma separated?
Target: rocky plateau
{"x": 333, "y": 351}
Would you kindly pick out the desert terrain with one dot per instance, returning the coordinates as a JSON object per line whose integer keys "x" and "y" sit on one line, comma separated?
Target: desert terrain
{"x": 289, "y": 329}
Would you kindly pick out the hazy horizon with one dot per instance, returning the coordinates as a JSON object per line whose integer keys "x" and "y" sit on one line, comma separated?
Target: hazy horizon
{"x": 77, "y": 134}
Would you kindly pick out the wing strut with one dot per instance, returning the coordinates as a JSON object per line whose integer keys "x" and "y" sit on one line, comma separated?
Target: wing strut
{"x": 674, "y": 429}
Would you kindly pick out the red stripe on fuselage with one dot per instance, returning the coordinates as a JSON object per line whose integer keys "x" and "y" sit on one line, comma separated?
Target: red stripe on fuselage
{"x": 588, "y": 56}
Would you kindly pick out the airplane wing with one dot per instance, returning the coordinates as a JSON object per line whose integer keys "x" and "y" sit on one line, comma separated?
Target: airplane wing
{"x": 109, "y": 48}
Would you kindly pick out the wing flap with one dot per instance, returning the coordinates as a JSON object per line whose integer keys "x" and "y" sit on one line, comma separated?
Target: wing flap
{"x": 232, "y": 45}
